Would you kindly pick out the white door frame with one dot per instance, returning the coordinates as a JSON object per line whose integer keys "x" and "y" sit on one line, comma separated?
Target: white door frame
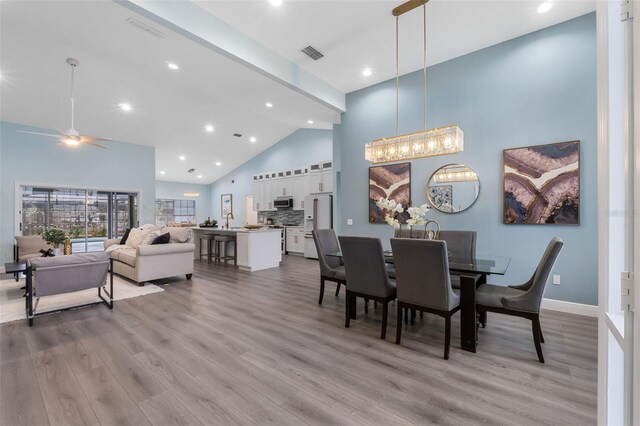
{"x": 624, "y": 328}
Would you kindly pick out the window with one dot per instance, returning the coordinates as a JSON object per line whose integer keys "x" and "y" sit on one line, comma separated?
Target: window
{"x": 175, "y": 212}
{"x": 87, "y": 216}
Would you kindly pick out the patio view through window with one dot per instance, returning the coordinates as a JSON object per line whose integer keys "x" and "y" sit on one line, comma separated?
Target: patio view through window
{"x": 171, "y": 212}
{"x": 87, "y": 216}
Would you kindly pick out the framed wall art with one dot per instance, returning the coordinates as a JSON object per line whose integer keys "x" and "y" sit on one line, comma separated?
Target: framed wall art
{"x": 226, "y": 204}
{"x": 542, "y": 184}
{"x": 391, "y": 181}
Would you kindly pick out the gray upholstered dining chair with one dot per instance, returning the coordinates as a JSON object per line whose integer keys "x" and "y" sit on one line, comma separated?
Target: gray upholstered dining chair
{"x": 522, "y": 300}
{"x": 331, "y": 268}
{"x": 423, "y": 282}
{"x": 367, "y": 276}
{"x": 460, "y": 245}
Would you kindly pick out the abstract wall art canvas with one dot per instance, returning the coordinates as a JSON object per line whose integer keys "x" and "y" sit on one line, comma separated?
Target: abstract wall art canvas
{"x": 542, "y": 184}
{"x": 390, "y": 181}
{"x": 441, "y": 195}
{"x": 226, "y": 204}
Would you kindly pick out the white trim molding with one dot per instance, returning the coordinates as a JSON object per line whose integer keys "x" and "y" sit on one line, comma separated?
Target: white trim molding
{"x": 570, "y": 307}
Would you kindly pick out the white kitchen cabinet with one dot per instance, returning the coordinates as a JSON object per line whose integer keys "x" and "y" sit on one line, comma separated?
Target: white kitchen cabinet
{"x": 295, "y": 240}
{"x": 285, "y": 187}
{"x": 300, "y": 190}
{"x": 321, "y": 182}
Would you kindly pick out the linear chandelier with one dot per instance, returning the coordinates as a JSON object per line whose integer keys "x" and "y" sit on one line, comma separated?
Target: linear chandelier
{"x": 426, "y": 143}
{"x": 455, "y": 173}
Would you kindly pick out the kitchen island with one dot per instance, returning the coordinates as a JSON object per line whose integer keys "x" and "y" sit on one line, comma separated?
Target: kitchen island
{"x": 257, "y": 249}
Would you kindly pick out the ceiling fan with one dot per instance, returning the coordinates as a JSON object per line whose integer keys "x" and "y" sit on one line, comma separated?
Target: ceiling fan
{"x": 71, "y": 137}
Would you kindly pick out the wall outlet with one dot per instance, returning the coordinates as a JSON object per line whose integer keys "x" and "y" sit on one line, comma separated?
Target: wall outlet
{"x": 349, "y": 221}
{"x": 556, "y": 279}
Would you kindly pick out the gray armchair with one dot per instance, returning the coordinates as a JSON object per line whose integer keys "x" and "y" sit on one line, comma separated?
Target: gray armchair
{"x": 522, "y": 300}
{"x": 367, "y": 276}
{"x": 48, "y": 276}
{"x": 461, "y": 245}
{"x": 331, "y": 268}
{"x": 423, "y": 282}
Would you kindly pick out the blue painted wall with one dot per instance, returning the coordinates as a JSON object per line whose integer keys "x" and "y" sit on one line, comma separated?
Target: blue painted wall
{"x": 301, "y": 148}
{"x": 536, "y": 89}
{"x": 176, "y": 191}
{"x": 32, "y": 159}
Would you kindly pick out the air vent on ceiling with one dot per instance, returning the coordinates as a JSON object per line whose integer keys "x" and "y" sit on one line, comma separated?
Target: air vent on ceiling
{"x": 237, "y": 135}
{"x": 191, "y": 170}
{"x": 312, "y": 52}
{"x": 144, "y": 27}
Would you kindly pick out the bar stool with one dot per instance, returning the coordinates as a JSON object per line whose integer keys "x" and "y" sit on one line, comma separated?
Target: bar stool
{"x": 208, "y": 239}
{"x": 220, "y": 242}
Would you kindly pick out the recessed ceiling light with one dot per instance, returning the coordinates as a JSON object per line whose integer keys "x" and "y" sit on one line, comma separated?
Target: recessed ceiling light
{"x": 275, "y": 2}
{"x": 172, "y": 66}
{"x": 310, "y": 121}
{"x": 182, "y": 157}
{"x": 209, "y": 128}
{"x": 162, "y": 172}
{"x": 269, "y": 105}
{"x": 199, "y": 176}
{"x": 545, "y": 7}
{"x": 252, "y": 139}
{"x": 366, "y": 72}
{"x": 191, "y": 194}
{"x": 218, "y": 163}
{"x": 125, "y": 107}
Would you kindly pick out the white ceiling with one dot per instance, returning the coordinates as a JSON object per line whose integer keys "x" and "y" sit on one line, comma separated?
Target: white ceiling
{"x": 122, "y": 63}
{"x": 119, "y": 63}
{"x": 354, "y": 34}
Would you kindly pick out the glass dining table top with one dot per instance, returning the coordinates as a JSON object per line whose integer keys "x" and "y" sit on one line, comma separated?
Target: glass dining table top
{"x": 485, "y": 264}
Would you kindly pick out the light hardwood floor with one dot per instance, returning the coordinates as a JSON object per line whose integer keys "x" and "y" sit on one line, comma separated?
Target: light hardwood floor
{"x": 231, "y": 347}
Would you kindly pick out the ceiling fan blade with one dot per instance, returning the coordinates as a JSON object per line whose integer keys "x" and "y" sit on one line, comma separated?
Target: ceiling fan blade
{"x": 87, "y": 138}
{"x": 91, "y": 143}
{"x": 38, "y": 133}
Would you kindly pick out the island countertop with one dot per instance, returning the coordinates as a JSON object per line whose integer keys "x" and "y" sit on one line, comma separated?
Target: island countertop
{"x": 223, "y": 231}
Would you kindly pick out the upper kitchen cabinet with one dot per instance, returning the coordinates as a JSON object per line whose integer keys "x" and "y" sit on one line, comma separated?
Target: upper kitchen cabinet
{"x": 321, "y": 178}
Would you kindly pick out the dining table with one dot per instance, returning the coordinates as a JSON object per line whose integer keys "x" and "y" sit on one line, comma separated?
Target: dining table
{"x": 473, "y": 272}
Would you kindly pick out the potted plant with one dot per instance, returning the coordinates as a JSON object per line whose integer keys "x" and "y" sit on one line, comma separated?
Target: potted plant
{"x": 55, "y": 237}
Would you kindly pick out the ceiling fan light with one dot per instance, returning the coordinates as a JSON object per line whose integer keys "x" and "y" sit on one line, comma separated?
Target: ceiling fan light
{"x": 70, "y": 142}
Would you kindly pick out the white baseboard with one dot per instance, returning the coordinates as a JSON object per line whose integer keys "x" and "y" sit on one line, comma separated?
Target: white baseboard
{"x": 570, "y": 307}
{"x": 2, "y": 270}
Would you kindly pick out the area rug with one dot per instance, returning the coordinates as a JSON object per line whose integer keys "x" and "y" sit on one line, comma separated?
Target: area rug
{"x": 12, "y": 304}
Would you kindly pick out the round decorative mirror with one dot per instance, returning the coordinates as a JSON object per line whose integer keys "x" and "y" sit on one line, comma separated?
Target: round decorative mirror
{"x": 453, "y": 188}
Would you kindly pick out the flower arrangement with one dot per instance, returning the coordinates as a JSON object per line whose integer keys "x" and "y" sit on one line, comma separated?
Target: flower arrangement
{"x": 54, "y": 236}
{"x": 391, "y": 208}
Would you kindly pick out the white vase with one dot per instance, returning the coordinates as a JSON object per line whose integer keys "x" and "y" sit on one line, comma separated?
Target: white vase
{"x": 56, "y": 251}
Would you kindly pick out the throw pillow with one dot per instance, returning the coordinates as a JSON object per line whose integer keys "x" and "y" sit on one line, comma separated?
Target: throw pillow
{"x": 162, "y": 239}
{"x": 178, "y": 235}
{"x": 136, "y": 237}
{"x": 125, "y": 236}
{"x": 148, "y": 239}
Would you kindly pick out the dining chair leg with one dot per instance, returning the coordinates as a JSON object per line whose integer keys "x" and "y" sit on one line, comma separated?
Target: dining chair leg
{"x": 375, "y": 304}
{"x": 421, "y": 314}
{"x": 483, "y": 319}
{"x": 406, "y": 315}
{"x": 447, "y": 336}
{"x": 366, "y": 306}
{"x": 385, "y": 310}
{"x": 347, "y": 308}
{"x": 321, "y": 291}
{"x": 398, "y": 324}
{"x": 540, "y": 328}
{"x": 536, "y": 338}
{"x": 337, "y": 289}
{"x": 413, "y": 316}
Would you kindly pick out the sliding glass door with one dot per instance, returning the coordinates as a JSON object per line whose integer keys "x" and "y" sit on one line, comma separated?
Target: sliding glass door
{"x": 87, "y": 216}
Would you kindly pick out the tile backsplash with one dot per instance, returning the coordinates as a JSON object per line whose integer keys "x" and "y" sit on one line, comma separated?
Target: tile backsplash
{"x": 283, "y": 217}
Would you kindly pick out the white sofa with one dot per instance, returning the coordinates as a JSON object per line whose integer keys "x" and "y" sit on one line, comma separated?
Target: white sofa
{"x": 151, "y": 262}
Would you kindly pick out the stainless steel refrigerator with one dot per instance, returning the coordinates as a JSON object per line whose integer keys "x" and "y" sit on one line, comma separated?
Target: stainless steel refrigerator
{"x": 318, "y": 214}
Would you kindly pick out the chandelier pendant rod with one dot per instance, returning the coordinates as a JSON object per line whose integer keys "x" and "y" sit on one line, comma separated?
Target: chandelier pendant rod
{"x": 397, "y": 81}
{"x": 73, "y": 68}
{"x": 424, "y": 31}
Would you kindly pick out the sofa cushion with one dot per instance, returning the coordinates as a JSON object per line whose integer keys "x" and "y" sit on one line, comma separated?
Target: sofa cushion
{"x": 31, "y": 245}
{"x": 162, "y": 239}
{"x": 151, "y": 236}
{"x": 127, "y": 255}
{"x": 178, "y": 235}
{"x": 137, "y": 236}
{"x": 123, "y": 240}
